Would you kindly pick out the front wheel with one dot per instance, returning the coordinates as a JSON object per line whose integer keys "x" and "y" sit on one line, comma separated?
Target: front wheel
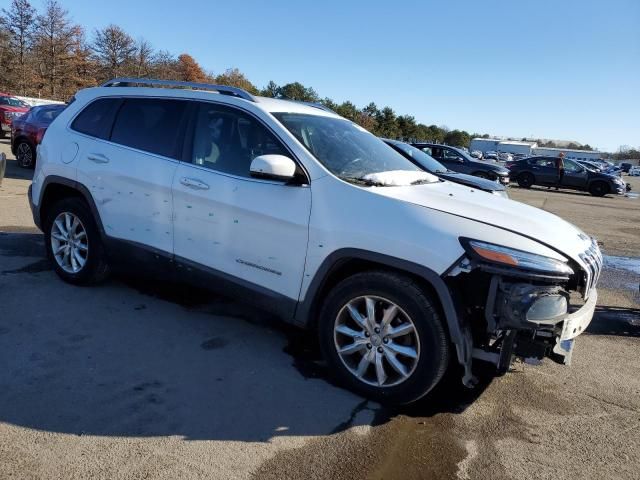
{"x": 383, "y": 337}
{"x": 598, "y": 189}
{"x": 73, "y": 243}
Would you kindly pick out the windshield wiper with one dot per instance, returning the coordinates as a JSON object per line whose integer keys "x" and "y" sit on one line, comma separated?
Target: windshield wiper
{"x": 362, "y": 181}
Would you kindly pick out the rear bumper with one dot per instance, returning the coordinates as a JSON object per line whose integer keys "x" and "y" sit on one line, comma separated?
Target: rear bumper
{"x": 35, "y": 212}
{"x": 3, "y": 166}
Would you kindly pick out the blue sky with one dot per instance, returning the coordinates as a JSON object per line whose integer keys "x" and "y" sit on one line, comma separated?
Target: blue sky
{"x": 558, "y": 69}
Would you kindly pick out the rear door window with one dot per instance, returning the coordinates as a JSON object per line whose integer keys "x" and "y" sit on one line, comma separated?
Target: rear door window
{"x": 150, "y": 124}
{"x": 96, "y": 118}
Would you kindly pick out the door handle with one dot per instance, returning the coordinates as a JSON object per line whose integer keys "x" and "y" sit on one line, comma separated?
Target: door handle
{"x": 98, "y": 158}
{"x": 194, "y": 183}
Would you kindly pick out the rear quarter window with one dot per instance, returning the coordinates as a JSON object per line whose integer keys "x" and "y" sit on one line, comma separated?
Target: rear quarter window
{"x": 96, "y": 118}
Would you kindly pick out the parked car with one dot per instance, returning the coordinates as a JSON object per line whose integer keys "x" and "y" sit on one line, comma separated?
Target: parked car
{"x": 594, "y": 167}
{"x": 490, "y": 155}
{"x": 431, "y": 165}
{"x": 505, "y": 157}
{"x": 10, "y": 109}
{"x": 27, "y": 132}
{"x": 625, "y": 167}
{"x": 476, "y": 154}
{"x": 459, "y": 161}
{"x": 544, "y": 171}
{"x": 634, "y": 171}
{"x": 397, "y": 271}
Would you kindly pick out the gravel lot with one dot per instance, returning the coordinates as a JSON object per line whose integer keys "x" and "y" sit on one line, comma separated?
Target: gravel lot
{"x": 139, "y": 379}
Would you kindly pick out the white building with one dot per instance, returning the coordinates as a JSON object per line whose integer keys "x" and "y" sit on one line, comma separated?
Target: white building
{"x": 529, "y": 148}
{"x": 571, "y": 154}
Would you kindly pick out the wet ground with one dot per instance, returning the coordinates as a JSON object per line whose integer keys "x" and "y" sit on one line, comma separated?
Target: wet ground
{"x": 140, "y": 378}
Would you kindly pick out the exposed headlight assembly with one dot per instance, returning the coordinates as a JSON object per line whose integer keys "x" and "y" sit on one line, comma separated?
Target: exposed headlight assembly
{"x": 510, "y": 257}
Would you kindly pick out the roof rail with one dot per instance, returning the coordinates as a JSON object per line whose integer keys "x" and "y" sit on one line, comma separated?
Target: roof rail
{"x": 222, "y": 89}
{"x": 315, "y": 105}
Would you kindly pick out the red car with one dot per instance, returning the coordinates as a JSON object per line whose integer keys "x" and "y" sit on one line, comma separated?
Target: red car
{"x": 27, "y": 132}
{"x": 10, "y": 109}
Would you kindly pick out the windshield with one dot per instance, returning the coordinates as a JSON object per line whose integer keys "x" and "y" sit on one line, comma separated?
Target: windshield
{"x": 345, "y": 149}
{"x": 464, "y": 154}
{"x": 423, "y": 159}
{"x": 12, "y": 102}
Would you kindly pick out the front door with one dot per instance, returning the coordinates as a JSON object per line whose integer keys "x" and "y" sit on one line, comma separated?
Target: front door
{"x": 250, "y": 229}
{"x": 575, "y": 176}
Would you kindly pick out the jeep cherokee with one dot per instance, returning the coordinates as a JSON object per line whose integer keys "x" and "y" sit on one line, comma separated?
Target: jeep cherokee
{"x": 309, "y": 216}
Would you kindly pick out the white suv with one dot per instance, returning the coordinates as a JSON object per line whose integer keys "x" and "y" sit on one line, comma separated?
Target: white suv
{"x": 297, "y": 210}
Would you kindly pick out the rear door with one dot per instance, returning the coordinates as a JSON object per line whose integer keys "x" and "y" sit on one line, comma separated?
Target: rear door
{"x": 129, "y": 168}
{"x": 544, "y": 169}
{"x": 253, "y": 231}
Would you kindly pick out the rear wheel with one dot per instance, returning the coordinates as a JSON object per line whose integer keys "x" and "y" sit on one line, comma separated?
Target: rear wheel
{"x": 383, "y": 338}
{"x": 73, "y": 243}
{"x": 25, "y": 154}
{"x": 598, "y": 189}
{"x": 526, "y": 180}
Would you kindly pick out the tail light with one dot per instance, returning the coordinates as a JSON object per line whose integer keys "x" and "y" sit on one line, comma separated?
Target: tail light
{"x": 40, "y": 134}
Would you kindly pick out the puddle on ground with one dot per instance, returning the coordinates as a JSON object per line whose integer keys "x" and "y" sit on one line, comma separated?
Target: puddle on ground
{"x": 629, "y": 264}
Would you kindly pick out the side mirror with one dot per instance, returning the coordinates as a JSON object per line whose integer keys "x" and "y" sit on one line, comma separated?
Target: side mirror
{"x": 274, "y": 167}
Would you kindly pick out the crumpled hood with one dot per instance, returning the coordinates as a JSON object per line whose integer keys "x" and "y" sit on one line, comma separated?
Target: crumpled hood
{"x": 541, "y": 226}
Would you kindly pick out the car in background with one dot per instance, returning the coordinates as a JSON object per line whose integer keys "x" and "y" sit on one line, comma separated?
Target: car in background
{"x": 423, "y": 160}
{"x": 476, "y": 154}
{"x": 544, "y": 171}
{"x": 505, "y": 157}
{"x": 634, "y": 171}
{"x": 625, "y": 167}
{"x": 27, "y": 132}
{"x": 591, "y": 165}
{"x": 10, "y": 109}
{"x": 490, "y": 155}
{"x": 460, "y": 161}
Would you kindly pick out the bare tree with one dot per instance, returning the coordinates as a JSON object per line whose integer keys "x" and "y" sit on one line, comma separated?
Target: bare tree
{"x": 143, "y": 58}
{"x": 55, "y": 39}
{"x": 19, "y": 22}
{"x": 165, "y": 65}
{"x": 114, "y": 50}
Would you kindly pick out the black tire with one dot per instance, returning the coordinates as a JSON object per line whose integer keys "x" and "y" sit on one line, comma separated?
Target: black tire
{"x": 526, "y": 180}
{"x": 482, "y": 175}
{"x": 96, "y": 267}
{"x": 599, "y": 189}
{"x": 25, "y": 154}
{"x": 433, "y": 341}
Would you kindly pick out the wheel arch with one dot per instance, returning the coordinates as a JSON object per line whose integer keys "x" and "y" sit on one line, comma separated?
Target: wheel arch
{"x": 345, "y": 262}
{"x": 56, "y": 188}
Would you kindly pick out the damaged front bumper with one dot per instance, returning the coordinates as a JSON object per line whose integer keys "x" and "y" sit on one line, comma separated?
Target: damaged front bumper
{"x": 513, "y": 312}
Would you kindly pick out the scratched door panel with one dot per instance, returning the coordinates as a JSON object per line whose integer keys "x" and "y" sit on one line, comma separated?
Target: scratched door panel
{"x": 252, "y": 229}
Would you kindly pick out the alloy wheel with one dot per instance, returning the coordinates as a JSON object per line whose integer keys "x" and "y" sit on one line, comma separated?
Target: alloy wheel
{"x": 69, "y": 242}
{"x": 376, "y": 341}
{"x": 24, "y": 155}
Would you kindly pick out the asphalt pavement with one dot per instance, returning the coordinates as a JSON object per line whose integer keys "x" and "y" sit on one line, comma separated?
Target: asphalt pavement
{"x": 140, "y": 378}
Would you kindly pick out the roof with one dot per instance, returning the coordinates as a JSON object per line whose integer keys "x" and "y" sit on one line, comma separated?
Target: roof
{"x": 229, "y": 95}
